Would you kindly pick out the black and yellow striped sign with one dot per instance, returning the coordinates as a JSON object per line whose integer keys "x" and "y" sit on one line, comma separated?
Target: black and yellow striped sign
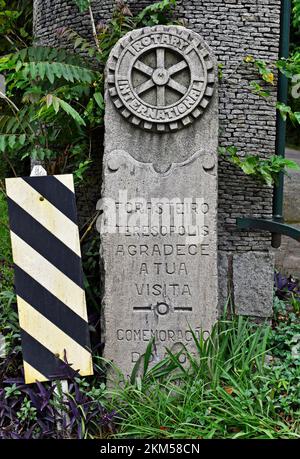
{"x": 48, "y": 277}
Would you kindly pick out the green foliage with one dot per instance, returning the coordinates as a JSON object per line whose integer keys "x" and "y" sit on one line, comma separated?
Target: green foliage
{"x": 115, "y": 29}
{"x": 27, "y": 412}
{"x": 264, "y": 71}
{"x": 287, "y": 319}
{"x": 12, "y": 391}
{"x": 296, "y": 14}
{"x": 123, "y": 21}
{"x": 81, "y": 169}
{"x": 11, "y": 141}
{"x": 264, "y": 170}
{"x": 261, "y": 66}
{"x": 226, "y": 390}
{"x": 15, "y": 24}
{"x": 82, "y": 5}
{"x": 290, "y": 66}
{"x": 5, "y": 254}
{"x": 95, "y": 393}
{"x": 286, "y": 110}
{"x": 259, "y": 90}
{"x": 158, "y": 13}
{"x": 9, "y": 324}
{"x": 92, "y": 284}
{"x": 285, "y": 344}
{"x": 54, "y": 104}
{"x": 48, "y": 92}
{"x": 57, "y": 70}
{"x": 291, "y": 69}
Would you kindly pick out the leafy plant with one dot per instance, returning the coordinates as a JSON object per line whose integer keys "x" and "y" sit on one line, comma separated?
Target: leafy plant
{"x": 286, "y": 287}
{"x": 158, "y": 13}
{"x": 290, "y": 66}
{"x": 9, "y": 326}
{"x": 259, "y": 90}
{"x": 286, "y": 334}
{"x": 265, "y": 170}
{"x": 291, "y": 69}
{"x": 264, "y": 71}
{"x": 226, "y": 390}
{"x": 44, "y": 86}
{"x": 12, "y": 391}
{"x": 286, "y": 110}
{"x": 296, "y": 13}
{"x": 27, "y": 412}
{"x": 295, "y": 303}
{"x": 82, "y": 5}
{"x": 15, "y": 24}
{"x": 41, "y": 411}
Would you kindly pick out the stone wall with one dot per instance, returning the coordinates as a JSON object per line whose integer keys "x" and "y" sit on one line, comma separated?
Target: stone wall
{"x": 234, "y": 29}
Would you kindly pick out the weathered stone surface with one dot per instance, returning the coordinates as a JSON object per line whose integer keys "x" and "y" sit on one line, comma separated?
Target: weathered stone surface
{"x": 288, "y": 256}
{"x": 253, "y": 275}
{"x": 160, "y": 276}
{"x": 292, "y": 190}
{"x": 224, "y": 277}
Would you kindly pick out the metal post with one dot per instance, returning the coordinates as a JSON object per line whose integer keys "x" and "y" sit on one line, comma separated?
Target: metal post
{"x": 282, "y": 96}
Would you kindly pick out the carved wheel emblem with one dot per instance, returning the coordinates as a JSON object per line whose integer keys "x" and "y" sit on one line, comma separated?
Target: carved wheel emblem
{"x": 161, "y": 78}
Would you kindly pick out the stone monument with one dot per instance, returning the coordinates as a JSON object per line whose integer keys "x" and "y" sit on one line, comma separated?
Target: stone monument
{"x": 159, "y": 227}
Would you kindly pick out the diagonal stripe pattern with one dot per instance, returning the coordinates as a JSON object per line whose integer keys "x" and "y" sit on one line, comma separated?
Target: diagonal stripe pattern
{"x": 48, "y": 277}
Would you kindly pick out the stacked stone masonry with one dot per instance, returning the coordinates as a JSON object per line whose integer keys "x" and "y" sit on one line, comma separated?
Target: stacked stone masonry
{"x": 233, "y": 29}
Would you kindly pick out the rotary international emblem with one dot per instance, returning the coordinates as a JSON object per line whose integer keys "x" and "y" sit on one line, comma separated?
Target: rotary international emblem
{"x": 161, "y": 78}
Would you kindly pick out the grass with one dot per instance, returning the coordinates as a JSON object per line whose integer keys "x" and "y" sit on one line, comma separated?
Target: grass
{"x": 228, "y": 391}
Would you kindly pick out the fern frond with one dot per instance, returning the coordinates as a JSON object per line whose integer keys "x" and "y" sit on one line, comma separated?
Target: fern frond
{"x": 48, "y": 54}
{"x": 10, "y": 124}
{"x": 82, "y": 44}
{"x": 11, "y": 141}
{"x": 52, "y": 104}
{"x": 52, "y": 70}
